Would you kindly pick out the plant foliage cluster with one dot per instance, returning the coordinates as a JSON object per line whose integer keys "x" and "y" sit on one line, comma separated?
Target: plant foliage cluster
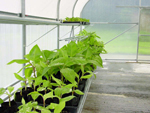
{"x": 76, "y": 19}
{"x": 58, "y": 72}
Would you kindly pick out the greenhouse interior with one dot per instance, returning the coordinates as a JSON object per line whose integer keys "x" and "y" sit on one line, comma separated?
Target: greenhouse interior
{"x": 75, "y": 56}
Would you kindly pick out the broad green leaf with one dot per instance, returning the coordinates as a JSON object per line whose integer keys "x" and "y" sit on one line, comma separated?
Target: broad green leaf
{"x": 86, "y": 76}
{"x": 35, "y": 95}
{"x": 46, "y": 69}
{"x": 24, "y": 67}
{"x": 69, "y": 74}
{"x": 34, "y": 54}
{"x": 79, "y": 92}
{"x": 19, "y": 61}
{"x": 63, "y": 90}
{"x": 45, "y": 111}
{"x": 72, "y": 49}
{"x": 28, "y": 72}
{"x": 10, "y": 89}
{"x": 38, "y": 81}
{"x": 59, "y": 82}
{"x": 60, "y": 61}
{"x": 79, "y": 61}
{"x": 52, "y": 106}
{"x": 19, "y": 77}
{"x": 48, "y": 95}
{"x": 32, "y": 112}
{"x": 46, "y": 83}
{"x": 2, "y": 91}
{"x": 47, "y": 54}
{"x": 63, "y": 53}
{"x": 56, "y": 64}
{"x": 67, "y": 99}
{"x": 23, "y": 101}
{"x": 82, "y": 69}
{"x": 23, "y": 83}
{"x": 41, "y": 89}
{"x": 1, "y": 101}
{"x": 59, "y": 107}
{"x": 43, "y": 64}
{"x": 58, "y": 92}
{"x": 52, "y": 55}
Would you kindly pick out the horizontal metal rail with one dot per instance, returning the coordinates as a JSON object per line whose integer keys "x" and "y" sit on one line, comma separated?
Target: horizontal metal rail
{"x": 146, "y": 7}
{"x": 9, "y": 13}
{"x": 113, "y": 23}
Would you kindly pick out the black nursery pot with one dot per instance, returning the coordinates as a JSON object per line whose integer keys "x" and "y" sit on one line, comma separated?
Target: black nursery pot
{"x": 6, "y": 109}
{"x": 18, "y": 97}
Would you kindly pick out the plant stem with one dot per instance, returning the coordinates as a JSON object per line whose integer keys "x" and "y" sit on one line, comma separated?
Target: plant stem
{"x": 9, "y": 101}
{"x": 33, "y": 69}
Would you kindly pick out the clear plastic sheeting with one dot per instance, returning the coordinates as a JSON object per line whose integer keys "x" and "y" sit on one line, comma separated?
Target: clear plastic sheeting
{"x": 109, "y": 11}
{"x": 45, "y": 36}
{"x": 145, "y": 22}
{"x": 66, "y": 7}
{"x": 145, "y": 2}
{"x": 79, "y": 6}
{"x": 13, "y": 6}
{"x": 10, "y": 48}
{"x": 123, "y": 47}
{"x": 42, "y": 8}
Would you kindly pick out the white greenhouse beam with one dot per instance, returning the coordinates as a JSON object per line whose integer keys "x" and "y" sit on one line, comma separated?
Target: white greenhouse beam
{"x": 26, "y": 20}
{"x": 74, "y": 8}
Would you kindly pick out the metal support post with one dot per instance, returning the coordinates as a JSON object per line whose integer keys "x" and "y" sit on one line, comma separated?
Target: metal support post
{"x": 23, "y": 31}
{"x": 58, "y": 26}
{"x": 137, "y": 53}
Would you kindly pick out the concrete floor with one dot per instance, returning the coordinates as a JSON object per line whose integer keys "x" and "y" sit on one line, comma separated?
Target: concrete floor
{"x": 120, "y": 88}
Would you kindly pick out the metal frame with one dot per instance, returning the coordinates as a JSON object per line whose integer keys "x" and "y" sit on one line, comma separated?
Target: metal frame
{"x": 137, "y": 53}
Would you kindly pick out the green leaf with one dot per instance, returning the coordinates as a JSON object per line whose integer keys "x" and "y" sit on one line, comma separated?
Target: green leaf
{"x": 1, "y": 101}
{"x": 41, "y": 89}
{"x": 45, "y": 111}
{"x": 34, "y": 54}
{"x": 72, "y": 49}
{"x": 24, "y": 67}
{"x": 46, "y": 69}
{"x": 79, "y": 92}
{"x": 10, "y": 89}
{"x": 52, "y": 106}
{"x": 63, "y": 53}
{"x": 69, "y": 74}
{"x": 86, "y": 76}
{"x": 2, "y": 91}
{"x": 67, "y": 99}
{"x": 35, "y": 95}
{"x": 58, "y": 61}
{"x": 48, "y": 95}
{"x": 19, "y": 77}
{"x": 59, "y": 82}
{"x": 59, "y": 107}
{"x": 19, "y": 61}
{"x": 28, "y": 72}
{"x": 47, "y": 54}
{"x": 43, "y": 64}
{"x": 38, "y": 81}
{"x": 46, "y": 83}
{"x": 23, "y": 101}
